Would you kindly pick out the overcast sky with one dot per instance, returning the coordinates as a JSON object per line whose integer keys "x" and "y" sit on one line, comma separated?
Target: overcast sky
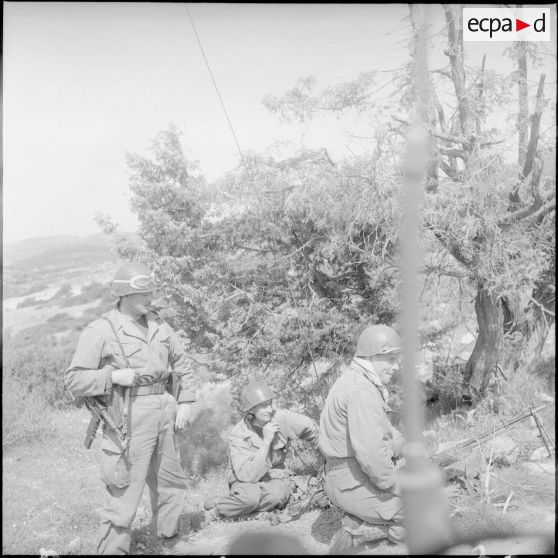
{"x": 86, "y": 82}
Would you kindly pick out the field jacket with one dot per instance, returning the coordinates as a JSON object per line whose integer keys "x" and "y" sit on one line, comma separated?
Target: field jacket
{"x": 98, "y": 354}
{"x": 355, "y": 424}
{"x": 245, "y": 441}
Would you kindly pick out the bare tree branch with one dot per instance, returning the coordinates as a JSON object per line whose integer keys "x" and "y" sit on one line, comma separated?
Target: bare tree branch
{"x": 453, "y": 153}
{"x": 495, "y": 142}
{"x": 455, "y": 54}
{"x": 533, "y": 212}
{"x": 452, "y": 139}
{"x": 443, "y": 271}
{"x": 452, "y": 247}
{"x": 543, "y": 308}
{"x": 449, "y": 171}
{"x": 535, "y": 128}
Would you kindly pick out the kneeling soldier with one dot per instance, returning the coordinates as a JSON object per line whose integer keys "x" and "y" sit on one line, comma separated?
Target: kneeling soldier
{"x": 259, "y": 444}
{"x": 359, "y": 443}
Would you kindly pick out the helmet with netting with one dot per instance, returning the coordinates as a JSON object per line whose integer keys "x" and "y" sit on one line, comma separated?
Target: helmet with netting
{"x": 254, "y": 394}
{"x": 378, "y": 340}
{"x": 132, "y": 278}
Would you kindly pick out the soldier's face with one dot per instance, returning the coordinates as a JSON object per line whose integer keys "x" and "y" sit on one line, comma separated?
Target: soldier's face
{"x": 387, "y": 366}
{"x": 140, "y": 301}
{"x": 263, "y": 412}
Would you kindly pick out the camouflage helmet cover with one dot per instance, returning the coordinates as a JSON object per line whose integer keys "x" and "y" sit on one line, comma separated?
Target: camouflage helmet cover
{"x": 253, "y": 394}
{"x": 378, "y": 340}
{"x": 132, "y": 278}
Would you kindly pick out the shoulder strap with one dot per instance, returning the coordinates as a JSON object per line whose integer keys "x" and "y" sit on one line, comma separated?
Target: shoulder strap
{"x": 118, "y": 341}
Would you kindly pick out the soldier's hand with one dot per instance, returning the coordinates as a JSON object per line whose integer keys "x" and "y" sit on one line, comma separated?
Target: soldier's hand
{"x": 126, "y": 377}
{"x": 269, "y": 431}
{"x": 182, "y": 415}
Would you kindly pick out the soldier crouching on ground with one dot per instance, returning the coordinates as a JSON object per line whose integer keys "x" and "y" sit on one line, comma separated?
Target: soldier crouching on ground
{"x": 259, "y": 444}
{"x": 359, "y": 444}
{"x": 125, "y": 357}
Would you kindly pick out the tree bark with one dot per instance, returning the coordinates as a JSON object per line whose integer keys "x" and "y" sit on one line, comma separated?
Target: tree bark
{"x": 486, "y": 353}
{"x": 522, "y": 93}
{"x": 455, "y": 53}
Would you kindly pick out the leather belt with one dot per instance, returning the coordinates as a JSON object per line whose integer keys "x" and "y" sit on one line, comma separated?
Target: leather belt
{"x": 338, "y": 462}
{"x": 155, "y": 388}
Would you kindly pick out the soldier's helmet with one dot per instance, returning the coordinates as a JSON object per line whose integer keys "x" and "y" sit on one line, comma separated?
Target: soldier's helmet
{"x": 132, "y": 278}
{"x": 253, "y": 394}
{"x": 378, "y": 340}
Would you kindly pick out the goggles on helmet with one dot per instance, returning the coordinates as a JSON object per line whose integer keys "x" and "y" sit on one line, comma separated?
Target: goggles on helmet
{"x": 139, "y": 282}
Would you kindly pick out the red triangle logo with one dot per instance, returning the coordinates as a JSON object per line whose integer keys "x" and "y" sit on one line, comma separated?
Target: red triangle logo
{"x": 519, "y": 25}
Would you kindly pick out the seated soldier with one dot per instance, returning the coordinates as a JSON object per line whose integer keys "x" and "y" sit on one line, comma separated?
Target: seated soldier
{"x": 259, "y": 444}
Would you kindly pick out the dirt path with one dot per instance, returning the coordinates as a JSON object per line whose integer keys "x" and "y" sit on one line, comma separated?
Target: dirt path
{"x": 52, "y": 495}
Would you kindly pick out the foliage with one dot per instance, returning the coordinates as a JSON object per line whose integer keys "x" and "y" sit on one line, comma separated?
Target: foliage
{"x": 275, "y": 264}
{"x": 203, "y": 444}
{"x": 24, "y": 411}
{"x": 495, "y": 218}
{"x": 38, "y": 369}
{"x": 281, "y": 262}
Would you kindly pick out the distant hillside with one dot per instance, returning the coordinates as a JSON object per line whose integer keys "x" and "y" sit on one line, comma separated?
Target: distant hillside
{"x": 35, "y": 264}
{"x": 26, "y": 250}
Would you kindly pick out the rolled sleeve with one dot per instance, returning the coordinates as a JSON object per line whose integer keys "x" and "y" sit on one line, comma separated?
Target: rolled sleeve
{"x": 373, "y": 452}
{"x": 246, "y": 464}
{"x": 182, "y": 366}
{"x": 84, "y": 377}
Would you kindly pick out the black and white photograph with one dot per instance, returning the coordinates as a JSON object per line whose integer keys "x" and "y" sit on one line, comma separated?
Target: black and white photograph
{"x": 278, "y": 279}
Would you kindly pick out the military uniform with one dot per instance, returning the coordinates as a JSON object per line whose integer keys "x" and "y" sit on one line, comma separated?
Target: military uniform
{"x": 262, "y": 484}
{"x": 147, "y": 412}
{"x": 359, "y": 442}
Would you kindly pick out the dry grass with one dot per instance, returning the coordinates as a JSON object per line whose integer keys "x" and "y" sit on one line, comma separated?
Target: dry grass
{"x": 24, "y": 414}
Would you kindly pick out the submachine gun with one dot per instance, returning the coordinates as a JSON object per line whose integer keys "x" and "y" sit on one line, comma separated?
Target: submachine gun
{"x": 98, "y": 414}
{"x": 445, "y": 458}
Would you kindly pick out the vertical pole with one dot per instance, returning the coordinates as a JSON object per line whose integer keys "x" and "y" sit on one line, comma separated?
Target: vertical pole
{"x": 425, "y": 506}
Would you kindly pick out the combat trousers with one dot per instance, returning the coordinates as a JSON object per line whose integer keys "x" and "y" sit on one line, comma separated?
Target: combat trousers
{"x": 246, "y": 497}
{"x": 153, "y": 458}
{"x": 349, "y": 488}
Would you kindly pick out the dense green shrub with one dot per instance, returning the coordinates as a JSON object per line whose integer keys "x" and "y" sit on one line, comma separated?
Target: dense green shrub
{"x": 38, "y": 368}
{"x": 204, "y": 445}
{"x": 24, "y": 412}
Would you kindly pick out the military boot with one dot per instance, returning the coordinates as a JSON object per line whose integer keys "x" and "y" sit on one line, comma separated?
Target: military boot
{"x": 368, "y": 533}
{"x": 341, "y": 543}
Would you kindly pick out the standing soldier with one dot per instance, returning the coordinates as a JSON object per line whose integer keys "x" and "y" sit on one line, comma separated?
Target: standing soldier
{"x": 125, "y": 357}
{"x": 359, "y": 443}
{"x": 259, "y": 444}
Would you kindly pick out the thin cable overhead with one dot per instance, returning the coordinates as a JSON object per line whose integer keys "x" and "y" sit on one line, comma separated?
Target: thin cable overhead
{"x": 215, "y": 85}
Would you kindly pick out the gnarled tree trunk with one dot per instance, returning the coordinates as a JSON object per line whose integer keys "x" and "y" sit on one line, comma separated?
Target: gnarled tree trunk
{"x": 486, "y": 354}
